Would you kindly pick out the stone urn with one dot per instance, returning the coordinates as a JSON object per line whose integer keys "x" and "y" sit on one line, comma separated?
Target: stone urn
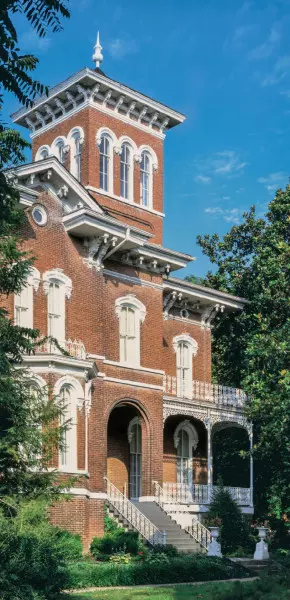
{"x": 261, "y": 552}
{"x": 214, "y": 548}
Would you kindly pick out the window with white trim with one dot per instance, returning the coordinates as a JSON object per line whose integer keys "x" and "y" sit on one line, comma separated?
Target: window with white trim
{"x": 60, "y": 151}
{"x": 23, "y": 301}
{"x": 58, "y": 287}
{"x": 131, "y": 312}
{"x": 185, "y": 441}
{"x": 126, "y": 179}
{"x": 68, "y": 449}
{"x": 105, "y": 162}
{"x": 44, "y": 153}
{"x": 185, "y": 348}
{"x": 146, "y": 179}
{"x": 76, "y": 155}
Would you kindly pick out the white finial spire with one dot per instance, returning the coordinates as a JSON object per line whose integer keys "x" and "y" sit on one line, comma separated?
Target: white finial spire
{"x": 97, "y": 56}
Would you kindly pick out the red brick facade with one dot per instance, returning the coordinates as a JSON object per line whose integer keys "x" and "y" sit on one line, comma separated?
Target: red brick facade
{"x": 119, "y": 393}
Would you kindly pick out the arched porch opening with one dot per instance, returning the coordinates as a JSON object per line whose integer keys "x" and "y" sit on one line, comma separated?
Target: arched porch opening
{"x": 128, "y": 457}
{"x": 184, "y": 454}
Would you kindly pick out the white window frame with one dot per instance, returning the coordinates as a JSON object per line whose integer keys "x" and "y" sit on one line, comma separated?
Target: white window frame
{"x": 139, "y": 309}
{"x": 193, "y": 439}
{"x": 57, "y": 276}
{"x": 26, "y": 297}
{"x": 40, "y": 151}
{"x": 184, "y": 388}
{"x": 76, "y": 400}
{"x": 76, "y": 135}
{"x": 135, "y": 461}
{"x": 130, "y": 170}
{"x": 113, "y": 144}
{"x": 59, "y": 143}
{"x": 153, "y": 166}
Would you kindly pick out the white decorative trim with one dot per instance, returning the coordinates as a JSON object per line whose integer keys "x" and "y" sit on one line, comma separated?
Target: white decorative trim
{"x": 106, "y": 131}
{"x": 74, "y": 491}
{"x": 184, "y": 337}
{"x": 149, "y": 150}
{"x": 34, "y": 278}
{"x": 125, "y": 366}
{"x": 77, "y": 402}
{"x": 58, "y": 276}
{"x": 74, "y": 131}
{"x": 37, "y": 379}
{"x": 133, "y": 302}
{"x": 125, "y": 139}
{"x": 120, "y": 199}
{"x": 192, "y": 433}
{"x": 40, "y": 150}
{"x": 134, "y": 421}
{"x": 134, "y": 383}
{"x": 73, "y": 383}
{"x": 188, "y": 321}
{"x": 131, "y": 279}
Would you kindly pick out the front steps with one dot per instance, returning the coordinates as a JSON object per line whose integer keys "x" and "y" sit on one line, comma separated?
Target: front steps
{"x": 174, "y": 534}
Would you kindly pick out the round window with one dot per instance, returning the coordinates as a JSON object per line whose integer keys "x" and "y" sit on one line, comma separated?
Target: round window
{"x": 39, "y": 215}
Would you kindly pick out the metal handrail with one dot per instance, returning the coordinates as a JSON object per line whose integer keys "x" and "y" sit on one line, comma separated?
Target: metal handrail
{"x": 134, "y": 516}
{"x": 196, "y": 530}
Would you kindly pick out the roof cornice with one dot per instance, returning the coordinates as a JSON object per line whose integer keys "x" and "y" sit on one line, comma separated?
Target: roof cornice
{"x": 94, "y": 88}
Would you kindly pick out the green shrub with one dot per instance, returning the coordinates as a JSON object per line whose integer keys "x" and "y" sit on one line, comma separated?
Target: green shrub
{"x": 118, "y": 541}
{"x": 31, "y": 557}
{"x": 71, "y": 545}
{"x": 175, "y": 570}
{"x": 169, "y": 550}
{"x": 234, "y": 531}
{"x": 110, "y": 526}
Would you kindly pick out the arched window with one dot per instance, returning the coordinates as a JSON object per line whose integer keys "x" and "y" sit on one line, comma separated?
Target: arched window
{"x": 57, "y": 286}
{"x": 146, "y": 179}
{"x": 43, "y": 153}
{"x": 130, "y": 312}
{"x": 135, "y": 441}
{"x": 185, "y": 348}
{"x": 106, "y": 161}
{"x": 69, "y": 392}
{"x": 76, "y": 137}
{"x": 185, "y": 440}
{"x": 60, "y": 152}
{"x": 126, "y": 172}
{"x": 67, "y": 420}
{"x": 23, "y": 301}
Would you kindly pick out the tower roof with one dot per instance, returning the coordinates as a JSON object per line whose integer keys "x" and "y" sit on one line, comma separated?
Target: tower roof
{"x": 94, "y": 88}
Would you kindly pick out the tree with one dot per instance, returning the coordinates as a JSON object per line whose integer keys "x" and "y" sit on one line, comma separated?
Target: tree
{"x": 234, "y": 533}
{"x": 25, "y": 417}
{"x": 251, "y": 349}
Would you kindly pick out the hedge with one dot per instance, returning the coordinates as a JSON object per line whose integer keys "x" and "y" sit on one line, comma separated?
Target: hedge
{"x": 176, "y": 570}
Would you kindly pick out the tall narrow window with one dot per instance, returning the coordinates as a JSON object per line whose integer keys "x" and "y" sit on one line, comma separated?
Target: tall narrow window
{"x": 126, "y": 172}
{"x": 131, "y": 312}
{"x": 68, "y": 450}
{"x": 76, "y": 155}
{"x": 135, "y": 441}
{"x": 185, "y": 348}
{"x": 60, "y": 152}
{"x": 183, "y": 369}
{"x": 185, "y": 441}
{"x": 145, "y": 179}
{"x": 43, "y": 154}
{"x": 23, "y": 301}
{"x": 57, "y": 286}
{"x": 105, "y": 160}
{"x": 127, "y": 335}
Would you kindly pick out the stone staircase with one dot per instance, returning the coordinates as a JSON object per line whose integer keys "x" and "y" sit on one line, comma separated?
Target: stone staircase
{"x": 174, "y": 534}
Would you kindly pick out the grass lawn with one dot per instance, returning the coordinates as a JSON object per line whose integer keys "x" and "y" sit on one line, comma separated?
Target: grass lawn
{"x": 268, "y": 590}
{"x": 206, "y": 591}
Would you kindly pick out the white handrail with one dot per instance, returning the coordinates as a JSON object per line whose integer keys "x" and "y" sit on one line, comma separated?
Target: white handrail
{"x": 205, "y": 392}
{"x": 75, "y": 348}
{"x": 196, "y": 530}
{"x": 134, "y": 516}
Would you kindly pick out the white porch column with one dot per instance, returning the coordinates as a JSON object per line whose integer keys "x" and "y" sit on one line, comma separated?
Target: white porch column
{"x": 251, "y": 468}
{"x": 209, "y": 457}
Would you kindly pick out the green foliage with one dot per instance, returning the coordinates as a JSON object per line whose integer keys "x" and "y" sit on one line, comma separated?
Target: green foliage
{"x": 233, "y": 531}
{"x": 251, "y": 348}
{"x": 117, "y": 541}
{"x": 32, "y": 554}
{"x": 195, "y": 279}
{"x": 110, "y": 526}
{"x": 169, "y": 550}
{"x": 181, "y": 569}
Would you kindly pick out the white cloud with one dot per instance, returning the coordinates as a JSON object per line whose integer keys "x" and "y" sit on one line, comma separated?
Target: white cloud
{"x": 202, "y": 179}
{"x": 267, "y": 48}
{"x": 230, "y": 215}
{"x": 120, "y": 47}
{"x": 29, "y": 41}
{"x": 281, "y": 69}
{"x": 273, "y": 181}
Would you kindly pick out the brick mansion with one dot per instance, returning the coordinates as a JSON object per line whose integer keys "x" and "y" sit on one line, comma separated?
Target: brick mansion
{"x": 136, "y": 378}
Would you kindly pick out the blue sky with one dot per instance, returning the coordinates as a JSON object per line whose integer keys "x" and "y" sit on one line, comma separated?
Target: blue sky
{"x": 225, "y": 64}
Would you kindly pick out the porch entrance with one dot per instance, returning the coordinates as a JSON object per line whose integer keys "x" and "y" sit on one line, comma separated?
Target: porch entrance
{"x": 184, "y": 459}
{"x": 124, "y": 450}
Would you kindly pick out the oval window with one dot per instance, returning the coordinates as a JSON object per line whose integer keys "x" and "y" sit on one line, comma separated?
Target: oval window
{"x": 39, "y": 215}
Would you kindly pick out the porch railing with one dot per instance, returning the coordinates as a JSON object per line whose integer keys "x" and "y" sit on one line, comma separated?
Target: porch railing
{"x": 134, "y": 516}
{"x": 202, "y": 494}
{"x": 206, "y": 392}
{"x": 196, "y": 530}
{"x": 75, "y": 348}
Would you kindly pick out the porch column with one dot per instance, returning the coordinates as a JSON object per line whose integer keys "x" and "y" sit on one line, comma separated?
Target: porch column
{"x": 209, "y": 457}
{"x": 251, "y": 468}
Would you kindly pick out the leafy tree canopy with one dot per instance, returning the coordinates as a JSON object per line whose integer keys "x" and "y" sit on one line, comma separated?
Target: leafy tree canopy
{"x": 251, "y": 348}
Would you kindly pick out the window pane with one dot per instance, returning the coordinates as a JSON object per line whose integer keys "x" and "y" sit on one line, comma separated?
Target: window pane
{"x": 125, "y": 171}
{"x": 104, "y": 163}
{"x": 145, "y": 179}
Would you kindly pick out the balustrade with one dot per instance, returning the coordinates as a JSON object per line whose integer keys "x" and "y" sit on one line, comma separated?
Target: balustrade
{"x": 201, "y": 494}
{"x": 206, "y": 392}
{"x": 75, "y": 348}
